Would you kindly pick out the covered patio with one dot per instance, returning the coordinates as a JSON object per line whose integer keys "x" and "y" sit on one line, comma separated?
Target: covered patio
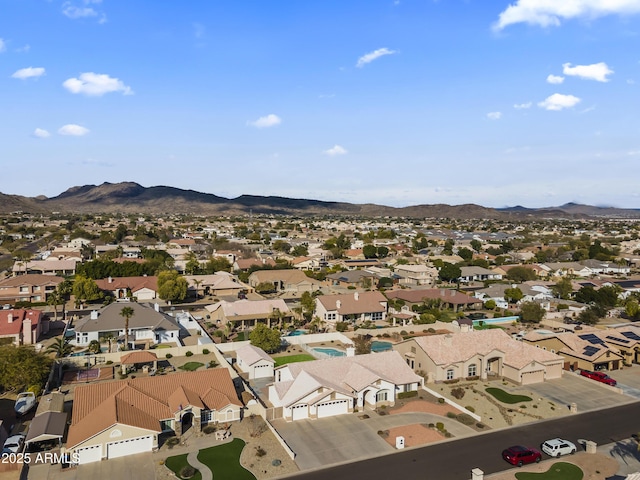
{"x": 139, "y": 357}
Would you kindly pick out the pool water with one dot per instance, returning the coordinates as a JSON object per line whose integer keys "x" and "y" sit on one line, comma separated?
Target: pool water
{"x": 377, "y": 346}
{"x": 332, "y": 352}
{"x": 297, "y": 333}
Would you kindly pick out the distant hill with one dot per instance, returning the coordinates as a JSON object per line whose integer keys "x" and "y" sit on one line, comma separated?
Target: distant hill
{"x": 130, "y": 197}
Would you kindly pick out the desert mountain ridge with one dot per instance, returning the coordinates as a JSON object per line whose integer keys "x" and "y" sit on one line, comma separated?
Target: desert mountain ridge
{"x": 131, "y": 197}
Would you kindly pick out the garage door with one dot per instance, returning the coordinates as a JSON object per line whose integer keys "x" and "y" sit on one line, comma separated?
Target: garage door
{"x": 329, "y": 409}
{"x": 529, "y": 378}
{"x": 299, "y": 412}
{"x": 130, "y": 447}
{"x": 89, "y": 454}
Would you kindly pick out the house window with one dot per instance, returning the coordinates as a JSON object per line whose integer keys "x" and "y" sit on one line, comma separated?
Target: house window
{"x": 166, "y": 425}
{"x": 382, "y": 396}
{"x": 450, "y": 374}
{"x": 376, "y": 316}
{"x": 472, "y": 371}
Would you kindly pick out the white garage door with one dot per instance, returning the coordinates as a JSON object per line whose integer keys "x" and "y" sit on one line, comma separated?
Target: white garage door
{"x": 529, "y": 378}
{"x": 329, "y": 409}
{"x": 130, "y": 447}
{"x": 299, "y": 412}
{"x": 89, "y": 454}
{"x": 261, "y": 371}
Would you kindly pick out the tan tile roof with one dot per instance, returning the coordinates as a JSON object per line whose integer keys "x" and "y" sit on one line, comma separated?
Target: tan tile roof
{"x": 445, "y": 294}
{"x": 353, "y": 303}
{"x": 31, "y": 279}
{"x": 142, "y": 356}
{"x": 133, "y": 283}
{"x": 144, "y": 402}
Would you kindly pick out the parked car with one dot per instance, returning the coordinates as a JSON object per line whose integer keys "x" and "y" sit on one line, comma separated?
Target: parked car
{"x": 599, "y": 377}
{"x": 13, "y": 444}
{"x": 519, "y": 455}
{"x": 558, "y": 446}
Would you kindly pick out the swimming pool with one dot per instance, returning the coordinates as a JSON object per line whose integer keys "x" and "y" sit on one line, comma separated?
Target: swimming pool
{"x": 331, "y": 352}
{"x": 377, "y": 346}
{"x": 495, "y": 321}
{"x": 297, "y": 333}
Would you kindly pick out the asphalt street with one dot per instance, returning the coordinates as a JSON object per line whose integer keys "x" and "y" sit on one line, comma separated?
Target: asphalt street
{"x": 454, "y": 460}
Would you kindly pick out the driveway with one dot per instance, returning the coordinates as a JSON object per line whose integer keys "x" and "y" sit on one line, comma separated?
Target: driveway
{"x": 585, "y": 393}
{"x": 628, "y": 380}
{"x": 132, "y": 467}
{"x": 325, "y": 441}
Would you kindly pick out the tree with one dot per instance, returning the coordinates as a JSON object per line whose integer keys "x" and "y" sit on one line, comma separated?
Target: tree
{"x": 448, "y": 247}
{"x": 217, "y": 264}
{"x": 513, "y": 295}
{"x": 265, "y": 287}
{"x": 126, "y": 313}
{"x": 362, "y": 344}
{"x": 466, "y": 254}
{"x": 449, "y": 272}
{"x": 281, "y": 246}
{"x": 490, "y": 304}
{"x": 521, "y": 274}
{"x": 172, "y": 286}
{"x": 632, "y": 308}
{"x": 54, "y": 299}
{"x": 94, "y": 346}
{"x": 476, "y": 245}
{"x": 531, "y": 312}
{"x": 300, "y": 251}
{"x": 382, "y": 251}
{"x": 265, "y": 338}
{"x": 197, "y": 282}
{"x": 86, "y": 290}
{"x": 370, "y": 251}
{"x": 308, "y": 304}
{"x": 193, "y": 265}
{"x": 22, "y": 367}
{"x": 563, "y": 289}
{"x": 589, "y": 316}
{"x": 60, "y": 347}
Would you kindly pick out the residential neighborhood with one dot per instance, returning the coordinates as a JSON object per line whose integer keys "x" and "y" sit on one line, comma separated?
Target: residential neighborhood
{"x": 178, "y": 335}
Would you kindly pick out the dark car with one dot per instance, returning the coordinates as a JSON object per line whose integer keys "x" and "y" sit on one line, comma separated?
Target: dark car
{"x": 599, "y": 377}
{"x": 519, "y": 455}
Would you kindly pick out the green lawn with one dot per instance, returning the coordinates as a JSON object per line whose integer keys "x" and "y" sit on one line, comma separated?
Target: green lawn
{"x": 191, "y": 366}
{"x": 224, "y": 461}
{"x": 303, "y": 357}
{"x": 176, "y": 463}
{"x": 506, "y": 397}
{"x": 558, "y": 471}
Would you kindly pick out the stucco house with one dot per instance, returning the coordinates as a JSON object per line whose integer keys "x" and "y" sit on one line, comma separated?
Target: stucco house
{"x": 353, "y": 307}
{"x": 479, "y": 353}
{"x": 254, "y": 362}
{"x": 142, "y": 287}
{"x": 116, "y": 419}
{"x": 23, "y": 327}
{"x": 31, "y": 287}
{"x": 416, "y": 274}
{"x": 340, "y": 385}
{"x": 248, "y": 313}
{"x": 221, "y": 284}
{"x": 446, "y": 297}
{"x": 477, "y": 274}
{"x": 290, "y": 280}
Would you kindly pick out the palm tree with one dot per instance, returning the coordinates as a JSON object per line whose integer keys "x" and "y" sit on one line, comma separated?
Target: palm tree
{"x": 126, "y": 313}
{"x": 55, "y": 299}
{"x": 197, "y": 283}
{"x": 60, "y": 347}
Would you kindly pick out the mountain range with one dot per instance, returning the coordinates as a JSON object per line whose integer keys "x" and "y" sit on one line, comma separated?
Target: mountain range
{"x": 130, "y": 197}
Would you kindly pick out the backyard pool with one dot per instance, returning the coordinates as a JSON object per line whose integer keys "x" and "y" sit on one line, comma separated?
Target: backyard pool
{"x": 377, "y": 346}
{"x": 332, "y": 352}
{"x": 297, "y": 333}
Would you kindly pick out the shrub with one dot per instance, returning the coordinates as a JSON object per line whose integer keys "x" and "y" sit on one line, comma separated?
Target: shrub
{"x": 449, "y": 382}
{"x": 168, "y": 355}
{"x": 447, "y": 434}
{"x": 451, "y": 415}
{"x": 431, "y": 330}
{"x": 109, "y": 362}
{"x": 205, "y": 351}
{"x": 260, "y": 452}
{"x": 432, "y": 425}
{"x": 480, "y": 425}
{"x": 471, "y": 409}
{"x": 36, "y": 389}
{"x": 209, "y": 429}
{"x": 407, "y": 394}
{"x": 457, "y": 393}
{"x": 187, "y": 471}
{"x": 465, "y": 419}
{"x": 440, "y": 426}
{"x": 403, "y": 332}
{"x": 172, "y": 442}
{"x": 189, "y": 353}
{"x": 441, "y": 400}
{"x": 475, "y": 377}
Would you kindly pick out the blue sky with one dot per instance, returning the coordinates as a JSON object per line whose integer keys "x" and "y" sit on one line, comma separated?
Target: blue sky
{"x": 533, "y": 102}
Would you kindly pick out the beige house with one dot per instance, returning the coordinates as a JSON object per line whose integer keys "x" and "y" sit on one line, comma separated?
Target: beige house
{"x": 31, "y": 287}
{"x": 116, "y": 419}
{"x": 248, "y": 313}
{"x": 353, "y": 307}
{"x": 254, "y": 362}
{"x": 293, "y": 281}
{"x": 142, "y": 287}
{"x": 220, "y": 284}
{"x": 481, "y": 353}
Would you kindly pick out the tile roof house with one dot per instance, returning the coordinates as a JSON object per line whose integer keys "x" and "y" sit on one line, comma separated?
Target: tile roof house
{"x": 31, "y": 287}
{"x": 50, "y": 266}
{"x": 353, "y": 307}
{"x": 148, "y": 325}
{"x": 116, "y": 419}
{"x": 248, "y": 313}
{"x": 23, "y": 327}
{"x": 479, "y": 353}
{"x": 477, "y": 274}
{"x": 416, "y": 274}
{"x": 142, "y": 288}
{"x": 448, "y": 298}
{"x": 580, "y": 350}
{"x": 289, "y": 280}
{"x": 340, "y": 385}
{"x": 254, "y": 362}
{"x": 219, "y": 284}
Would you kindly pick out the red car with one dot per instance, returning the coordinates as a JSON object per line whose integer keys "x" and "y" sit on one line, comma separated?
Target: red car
{"x": 599, "y": 377}
{"x": 519, "y": 455}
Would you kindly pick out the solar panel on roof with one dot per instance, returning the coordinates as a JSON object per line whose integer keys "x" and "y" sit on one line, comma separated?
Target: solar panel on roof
{"x": 590, "y": 351}
{"x": 591, "y": 338}
{"x": 617, "y": 339}
{"x": 631, "y": 335}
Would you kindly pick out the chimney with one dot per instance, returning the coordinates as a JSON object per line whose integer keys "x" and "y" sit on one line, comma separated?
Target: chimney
{"x": 110, "y": 280}
{"x": 27, "y": 337}
{"x": 453, "y": 293}
{"x": 10, "y": 318}
{"x": 94, "y": 315}
{"x": 156, "y": 307}
{"x": 356, "y": 296}
{"x": 338, "y": 304}
{"x": 351, "y": 351}
{"x": 442, "y": 292}
{"x": 448, "y": 340}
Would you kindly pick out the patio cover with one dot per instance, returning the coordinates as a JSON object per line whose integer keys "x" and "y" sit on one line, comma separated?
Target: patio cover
{"x": 48, "y": 426}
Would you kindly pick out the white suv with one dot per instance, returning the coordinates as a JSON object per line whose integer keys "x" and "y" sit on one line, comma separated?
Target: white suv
{"x": 557, "y": 446}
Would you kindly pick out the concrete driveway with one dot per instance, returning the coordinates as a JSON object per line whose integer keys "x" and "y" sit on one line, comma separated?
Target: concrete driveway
{"x": 628, "y": 380}
{"x": 132, "y": 467}
{"x": 324, "y": 441}
{"x": 571, "y": 388}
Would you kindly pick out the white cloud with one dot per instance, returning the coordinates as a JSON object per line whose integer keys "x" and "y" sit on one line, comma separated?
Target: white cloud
{"x": 494, "y": 115}
{"x": 24, "y": 49}
{"x": 73, "y": 130}
{"x": 371, "y": 56}
{"x": 522, "y": 106}
{"x": 596, "y": 71}
{"x": 336, "y": 150}
{"x": 3, "y": 45}
{"x": 76, "y": 9}
{"x": 41, "y": 133}
{"x": 551, "y": 13}
{"x": 270, "y": 120}
{"x": 555, "y": 79}
{"x": 96, "y": 85}
{"x": 558, "y": 101}
{"x": 28, "y": 72}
